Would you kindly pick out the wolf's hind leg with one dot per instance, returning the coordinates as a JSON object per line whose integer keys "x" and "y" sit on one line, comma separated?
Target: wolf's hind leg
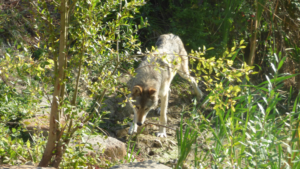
{"x": 185, "y": 73}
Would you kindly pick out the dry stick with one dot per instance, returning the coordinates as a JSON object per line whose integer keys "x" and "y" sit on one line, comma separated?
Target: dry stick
{"x": 119, "y": 18}
{"x": 269, "y": 11}
{"x": 47, "y": 96}
{"x": 180, "y": 70}
{"x": 146, "y": 123}
{"x": 104, "y": 131}
{"x": 171, "y": 54}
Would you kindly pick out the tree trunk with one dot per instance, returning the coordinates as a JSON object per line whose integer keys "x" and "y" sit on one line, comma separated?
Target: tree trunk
{"x": 51, "y": 147}
{"x": 253, "y": 43}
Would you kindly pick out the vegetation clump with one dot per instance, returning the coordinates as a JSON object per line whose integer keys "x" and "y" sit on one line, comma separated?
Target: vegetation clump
{"x": 71, "y": 53}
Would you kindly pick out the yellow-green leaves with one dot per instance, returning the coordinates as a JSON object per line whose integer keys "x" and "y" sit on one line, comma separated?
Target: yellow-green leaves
{"x": 229, "y": 62}
{"x": 242, "y": 41}
{"x": 212, "y": 70}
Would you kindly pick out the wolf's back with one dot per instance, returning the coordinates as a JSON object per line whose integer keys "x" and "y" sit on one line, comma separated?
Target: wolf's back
{"x": 170, "y": 43}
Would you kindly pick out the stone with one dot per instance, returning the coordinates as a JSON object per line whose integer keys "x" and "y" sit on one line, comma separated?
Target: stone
{"x": 24, "y": 167}
{"x": 157, "y": 144}
{"x": 117, "y": 112}
{"x": 124, "y": 132}
{"x": 142, "y": 165}
{"x": 172, "y": 143}
{"x": 113, "y": 148}
{"x": 29, "y": 163}
{"x": 38, "y": 124}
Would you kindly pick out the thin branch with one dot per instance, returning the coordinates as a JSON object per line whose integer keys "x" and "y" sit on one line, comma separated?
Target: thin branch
{"x": 104, "y": 131}
{"x": 159, "y": 125}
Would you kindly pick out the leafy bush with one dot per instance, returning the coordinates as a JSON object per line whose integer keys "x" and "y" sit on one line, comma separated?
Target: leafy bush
{"x": 255, "y": 126}
{"x": 14, "y": 150}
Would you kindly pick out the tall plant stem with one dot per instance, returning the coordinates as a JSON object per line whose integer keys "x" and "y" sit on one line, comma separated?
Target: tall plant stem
{"x": 54, "y": 115}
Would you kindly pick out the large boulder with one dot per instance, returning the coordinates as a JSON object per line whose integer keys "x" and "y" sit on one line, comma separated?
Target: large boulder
{"x": 113, "y": 149}
{"x": 39, "y": 124}
{"x": 142, "y": 165}
{"x": 24, "y": 167}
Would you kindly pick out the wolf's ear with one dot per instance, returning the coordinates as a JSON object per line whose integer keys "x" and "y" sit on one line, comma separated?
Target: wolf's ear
{"x": 152, "y": 91}
{"x": 137, "y": 90}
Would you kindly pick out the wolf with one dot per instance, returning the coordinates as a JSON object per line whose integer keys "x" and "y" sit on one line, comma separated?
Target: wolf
{"x": 153, "y": 78}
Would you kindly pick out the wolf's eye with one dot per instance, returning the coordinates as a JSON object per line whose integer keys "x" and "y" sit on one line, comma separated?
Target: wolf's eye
{"x": 137, "y": 107}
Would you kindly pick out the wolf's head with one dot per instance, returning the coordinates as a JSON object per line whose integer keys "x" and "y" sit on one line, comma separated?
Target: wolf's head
{"x": 145, "y": 100}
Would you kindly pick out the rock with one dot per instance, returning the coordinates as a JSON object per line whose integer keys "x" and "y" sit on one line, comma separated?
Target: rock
{"x": 142, "y": 165}
{"x": 122, "y": 133}
{"x": 172, "y": 143}
{"x": 148, "y": 150}
{"x": 113, "y": 149}
{"x": 112, "y": 104}
{"x": 29, "y": 163}
{"x": 38, "y": 124}
{"x": 157, "y": 144}
{"x": 25, "y": 167}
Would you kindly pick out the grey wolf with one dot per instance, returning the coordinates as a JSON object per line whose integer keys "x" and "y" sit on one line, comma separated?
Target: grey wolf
{"x": 153, "y": 79}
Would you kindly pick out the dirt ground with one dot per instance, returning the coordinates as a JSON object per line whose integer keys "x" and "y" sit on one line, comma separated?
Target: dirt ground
{"x": 147, "y": 145}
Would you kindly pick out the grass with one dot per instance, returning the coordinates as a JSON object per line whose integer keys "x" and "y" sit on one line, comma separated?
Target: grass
{"x": 261, "y": 131}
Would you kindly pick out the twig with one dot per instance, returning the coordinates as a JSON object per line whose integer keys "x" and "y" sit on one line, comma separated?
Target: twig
{"x": 47, "y": 96}
{"x": 269, "y": 11}
{"x": 159, "y": 125}
{"x": 104, "y": 131}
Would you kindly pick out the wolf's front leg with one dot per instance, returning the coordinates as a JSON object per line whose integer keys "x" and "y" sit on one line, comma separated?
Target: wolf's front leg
{"x": 133, "y": 126}
{"x": 163, "y": 116}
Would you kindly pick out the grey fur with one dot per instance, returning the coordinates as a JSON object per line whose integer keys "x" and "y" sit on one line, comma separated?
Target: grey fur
{"x": 156, "y": 71}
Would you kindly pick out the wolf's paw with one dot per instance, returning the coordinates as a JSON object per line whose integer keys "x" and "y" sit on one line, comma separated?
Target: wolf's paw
{"x": 161, "y": 135}
{"x": 132, "y": 129}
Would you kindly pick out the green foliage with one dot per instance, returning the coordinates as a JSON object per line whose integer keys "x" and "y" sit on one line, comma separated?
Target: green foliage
{"x": 254, "y": 126}
{"x": 101, "y": 35}
{"x": 14, "y": 150}
{"x": 17, "y": 87}
{"x": 185, "y": 142}
{"x": 210, "y": 23}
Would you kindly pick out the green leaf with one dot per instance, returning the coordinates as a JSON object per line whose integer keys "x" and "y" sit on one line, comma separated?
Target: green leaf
{"x": 234, "y": 56}
{"x": 278, "y": 79}
{"x": 247, "y": 77}
{"x": 28, "y": 144}
{"x": 281, "y": 63}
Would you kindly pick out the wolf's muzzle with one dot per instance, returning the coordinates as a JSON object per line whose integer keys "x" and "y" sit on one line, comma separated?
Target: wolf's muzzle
{"x": 139, "y": 123}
